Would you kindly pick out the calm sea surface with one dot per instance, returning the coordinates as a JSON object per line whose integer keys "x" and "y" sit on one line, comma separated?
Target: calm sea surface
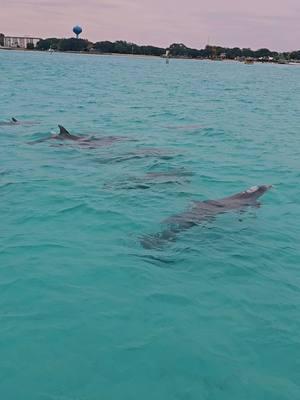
{"x": 86, "y": 313}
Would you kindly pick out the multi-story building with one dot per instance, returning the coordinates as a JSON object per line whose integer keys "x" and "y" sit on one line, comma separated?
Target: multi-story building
{"x": 18, "y": 41}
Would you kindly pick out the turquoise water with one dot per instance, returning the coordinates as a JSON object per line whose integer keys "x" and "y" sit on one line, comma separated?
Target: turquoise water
{"x": 86, "y": 312}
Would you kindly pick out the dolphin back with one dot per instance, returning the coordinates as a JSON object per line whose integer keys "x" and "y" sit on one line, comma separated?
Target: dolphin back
{"x": 202, "y": 212}
{"x": 252, "y": 193}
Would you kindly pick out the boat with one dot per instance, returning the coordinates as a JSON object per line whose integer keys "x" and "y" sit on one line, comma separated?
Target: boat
{"x": 249, "y": 61}
{"x": 167, "y": 56}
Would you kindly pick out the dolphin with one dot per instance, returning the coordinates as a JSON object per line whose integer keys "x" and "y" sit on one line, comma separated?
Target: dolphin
{"x": 90, "y": 142}
{"x": 13, "y": 121}
{"x": 65, "y": 135}
{"x": 201, "y": 212}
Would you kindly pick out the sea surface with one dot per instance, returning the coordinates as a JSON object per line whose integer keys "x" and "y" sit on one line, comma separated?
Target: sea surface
{"x": 88, "y": 313}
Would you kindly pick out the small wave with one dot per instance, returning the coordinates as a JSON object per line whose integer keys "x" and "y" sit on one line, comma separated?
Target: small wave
{"x": 171, "y": 298}
{"x": 33, "y": 246}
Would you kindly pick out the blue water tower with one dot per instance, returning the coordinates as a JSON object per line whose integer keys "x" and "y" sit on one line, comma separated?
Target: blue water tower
{"x": 77, "y": 30}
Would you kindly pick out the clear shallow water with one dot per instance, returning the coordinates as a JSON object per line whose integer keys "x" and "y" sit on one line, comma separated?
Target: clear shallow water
{"x": 86, "y": 312}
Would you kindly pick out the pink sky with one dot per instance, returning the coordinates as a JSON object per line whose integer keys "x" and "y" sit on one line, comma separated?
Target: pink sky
{"x": 244, "y": 23}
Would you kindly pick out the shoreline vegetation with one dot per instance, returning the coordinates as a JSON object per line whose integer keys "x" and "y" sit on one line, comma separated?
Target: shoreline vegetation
{"x": 176, "y": 50}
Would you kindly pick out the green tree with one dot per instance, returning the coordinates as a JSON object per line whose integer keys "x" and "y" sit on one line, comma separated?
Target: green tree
{"x": 123, "y": 47}
{"x": 73, "y": 44}
{"x": 263, "y": 53}
{"x": 179, "y": 50}
{"x": 104, "y": 47}
{"x": 295, "y": 55}
{"x": 247, "y": 53}
{"x": 152, "y": 50}
{"x": 234, "y": 53}
{"x": 46, "y": 44}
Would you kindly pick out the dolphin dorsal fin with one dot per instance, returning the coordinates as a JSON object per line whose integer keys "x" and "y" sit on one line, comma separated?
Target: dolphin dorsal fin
{"x": 63, "y": 131}
{"x": 14, "y": 120}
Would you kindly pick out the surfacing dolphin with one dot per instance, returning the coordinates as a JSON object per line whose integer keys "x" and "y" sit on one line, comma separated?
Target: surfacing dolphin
{"x": 201, "y": 212}
{"x": 14, "y": 122}
{"x": 11, "y": 122}
{"x": 66, "y": 136}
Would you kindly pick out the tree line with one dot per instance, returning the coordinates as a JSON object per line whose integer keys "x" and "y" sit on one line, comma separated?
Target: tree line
{"x": 175, "y": 50}
{"x": 119, "y": 47}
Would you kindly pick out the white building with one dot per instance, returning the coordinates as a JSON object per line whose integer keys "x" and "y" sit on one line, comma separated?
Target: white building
{"x": 20, "y": 41}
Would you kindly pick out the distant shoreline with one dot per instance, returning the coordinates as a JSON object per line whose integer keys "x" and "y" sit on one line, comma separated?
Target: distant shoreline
{"x": 87, "y": 53}
{"x": 91, "y": 53}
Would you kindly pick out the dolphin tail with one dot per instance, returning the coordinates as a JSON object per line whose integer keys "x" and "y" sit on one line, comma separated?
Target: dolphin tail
{"x": 63, "y": 131}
